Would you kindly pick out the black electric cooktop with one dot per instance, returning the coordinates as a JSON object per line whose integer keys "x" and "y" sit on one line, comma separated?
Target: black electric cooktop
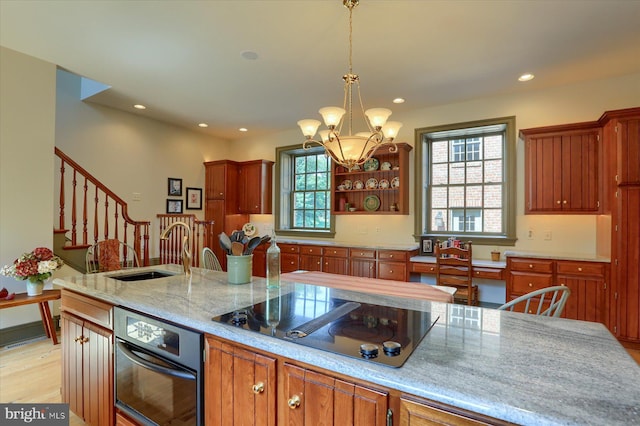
{"x": 311, "y": 316}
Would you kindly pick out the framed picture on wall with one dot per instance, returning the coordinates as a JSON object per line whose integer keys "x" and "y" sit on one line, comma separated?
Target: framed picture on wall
{"x": 427, "y": 246}
{"x": 174, "y": 206}
{"x": 194, "y": 198}
{"x": 175, "y": 187}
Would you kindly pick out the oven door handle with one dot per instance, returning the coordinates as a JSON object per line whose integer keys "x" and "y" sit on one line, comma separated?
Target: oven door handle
{"x": 152, "y": 366}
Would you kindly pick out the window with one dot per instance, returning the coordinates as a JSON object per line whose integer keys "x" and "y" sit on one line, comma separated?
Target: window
{"x": 466, "y": 175}
{"x": 303, "y": 192}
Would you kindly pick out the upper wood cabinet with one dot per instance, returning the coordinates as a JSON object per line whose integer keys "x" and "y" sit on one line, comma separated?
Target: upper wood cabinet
{"x": 254, "y": 187}
{"x": 375, "y": 189}
{"x": 562, "y": 169}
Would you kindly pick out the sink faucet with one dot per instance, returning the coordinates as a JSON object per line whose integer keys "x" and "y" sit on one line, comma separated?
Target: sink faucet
{"x": 186, "y": 254}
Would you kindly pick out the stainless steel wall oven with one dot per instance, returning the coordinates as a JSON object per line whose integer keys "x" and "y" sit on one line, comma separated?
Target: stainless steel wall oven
{"x": 158, "y": 370}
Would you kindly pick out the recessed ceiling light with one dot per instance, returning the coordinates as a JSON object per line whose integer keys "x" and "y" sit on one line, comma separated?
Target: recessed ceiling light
{"x": 526, "y": 77}
{"x": 398, "y": 101}
{"x": 203, "y": 125}
{"x": 249, "y": 55}
{"x": 139, "y": 106}
{"x": 243, "y": 129}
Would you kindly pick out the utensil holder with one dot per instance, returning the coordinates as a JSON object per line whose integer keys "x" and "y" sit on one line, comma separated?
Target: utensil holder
{"x": 239, "y": 269}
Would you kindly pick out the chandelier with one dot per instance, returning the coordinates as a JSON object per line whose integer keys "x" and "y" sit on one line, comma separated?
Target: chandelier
{"x": 351, "y": 151}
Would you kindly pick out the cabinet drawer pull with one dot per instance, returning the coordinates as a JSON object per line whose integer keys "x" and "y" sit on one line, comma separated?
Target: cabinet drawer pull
{"x": 580, "y": 269}
{"x": 530, "y": 284}
{"x": 564, "y": 202}
{"x": 391, "y": 271}
{"x": 294, "y": 402}
{"x": 432, "y": 269}
{"x": 391, "y": 256}
{"x": 258, "y": 388}
{"x": 78, "y": 339}
{"x": 530, "y": 266}
{"x": 558, "y": 202}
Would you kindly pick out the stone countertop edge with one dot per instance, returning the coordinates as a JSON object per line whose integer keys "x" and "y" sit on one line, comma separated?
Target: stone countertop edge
{"x": 520, "y": 368}
{"x": 558, "y": 256}
{"x": 407, "y": 247}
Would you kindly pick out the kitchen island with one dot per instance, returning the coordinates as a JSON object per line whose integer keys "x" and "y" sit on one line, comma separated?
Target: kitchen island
{"x": 517, "y": 368}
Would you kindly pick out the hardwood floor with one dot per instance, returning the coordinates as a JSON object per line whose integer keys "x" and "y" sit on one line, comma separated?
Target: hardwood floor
{"x": 31, "y": 373}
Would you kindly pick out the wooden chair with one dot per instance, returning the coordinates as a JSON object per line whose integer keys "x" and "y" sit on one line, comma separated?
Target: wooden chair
{"x": 210, "y": 260}
{"x": 110, "y": 255}
{"x": 556, "y": 297}
{"x": 454, "y": 269}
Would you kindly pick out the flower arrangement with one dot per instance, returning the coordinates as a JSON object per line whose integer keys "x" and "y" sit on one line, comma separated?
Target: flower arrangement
{"x": 35, "y": 266}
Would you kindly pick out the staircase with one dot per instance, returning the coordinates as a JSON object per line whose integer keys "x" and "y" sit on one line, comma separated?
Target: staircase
{"x": 90, "y": 212}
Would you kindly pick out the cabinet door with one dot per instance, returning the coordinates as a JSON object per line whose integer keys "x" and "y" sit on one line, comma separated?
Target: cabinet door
{"x": 362, "y": 268}
{"x": 310, "y": 263}
{"x": 396, "y": 271}
{"x": 215, "y": 181}
{"x": 335, "y": 265}
{"x": 240, "y": 386}
{"x": 97, "y": 363}
{"x": 214, "y": 210}
{"x": 310, "y": 396}
{"x": 255, "y": 187}
{"x": 587, "y": 299}
{"x": 628, "y": 131}
{"x": 414, "y": 413}
{"x": 72, "y": 362}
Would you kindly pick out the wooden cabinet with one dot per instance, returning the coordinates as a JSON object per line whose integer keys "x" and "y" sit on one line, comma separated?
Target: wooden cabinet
{"x": 289, "y": 257}
{"x": 335, "y": 260}
{"x": 393, "y": 192}
{"x": 311, "y": 258}
{"x": 587, "y": 281}
{"x": 414, "y": 412}
{"x": 254, "y": 187}
{"x": 240, "y": 386}
{"x": 562, "y": 169}
{"x": 259, "y": 263}
{"x": 87, "y": 358}
{"x": 362, "y": 263}
{"x": 392, "y": 265}
{"x": 311, "y": 398}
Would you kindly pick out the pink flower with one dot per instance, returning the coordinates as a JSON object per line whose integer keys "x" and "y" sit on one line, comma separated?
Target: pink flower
{"x": 43, "y": 253}
{"x": 27, "y": 268}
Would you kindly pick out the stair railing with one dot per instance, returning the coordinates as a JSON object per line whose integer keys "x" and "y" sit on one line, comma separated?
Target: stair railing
{"x": 171, "y": 248}
{"x": 102, "y": 214}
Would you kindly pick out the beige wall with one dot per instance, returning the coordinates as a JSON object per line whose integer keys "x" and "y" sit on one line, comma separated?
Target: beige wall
{"x": 575, "y": 103}
{"x": 27, "y": 120}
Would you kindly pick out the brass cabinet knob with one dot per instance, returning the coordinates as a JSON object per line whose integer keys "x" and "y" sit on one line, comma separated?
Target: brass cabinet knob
{"x": 391, "y": 271}
{"x": 390, "y": 256}
{"x": 564, "y": 202}
{"x": 580, "y": 269}
{"x": 530, "y": 266}
{"x": 294, "y": 402}
{"x": 558, "y": 202}
{"x": 258, "y": 388}
{"x": 530, "y": 284}
{"x": 432, "y": 269}
{"x": 78, "y": 339}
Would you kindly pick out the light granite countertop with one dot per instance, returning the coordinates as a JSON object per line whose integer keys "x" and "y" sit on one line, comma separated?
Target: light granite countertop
{"x": 520, "y": 368}
{"x": 385, "y": 246}
{"x": 558, "y": 256}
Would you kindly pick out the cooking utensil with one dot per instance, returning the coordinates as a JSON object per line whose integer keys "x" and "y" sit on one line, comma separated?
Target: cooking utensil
{"x": 237, "y": 248}
{"x": 225, "y": 242}
{"x": 252, "y": 244}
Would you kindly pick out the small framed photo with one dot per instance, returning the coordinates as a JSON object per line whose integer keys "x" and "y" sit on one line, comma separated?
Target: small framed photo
{"x": 194, "y": 198}
{"x": 427, "y": 246}
{"x": 174, "y": 206}
{"x": 175, "y": 187}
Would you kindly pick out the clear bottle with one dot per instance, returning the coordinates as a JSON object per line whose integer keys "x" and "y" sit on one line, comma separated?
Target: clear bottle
{"x": 273, "y": 264}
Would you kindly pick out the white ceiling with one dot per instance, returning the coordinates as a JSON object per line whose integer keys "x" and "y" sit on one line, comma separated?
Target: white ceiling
{"x": 182, "y": 59}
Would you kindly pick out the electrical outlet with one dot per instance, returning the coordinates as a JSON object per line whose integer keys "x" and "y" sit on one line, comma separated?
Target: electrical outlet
{"x": 530, "y": 234}
{"x": 547, "y": 235}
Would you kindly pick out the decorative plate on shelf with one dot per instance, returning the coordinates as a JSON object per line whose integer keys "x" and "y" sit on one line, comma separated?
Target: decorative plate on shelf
{"x": 372, "y": 183}
{"x": 385, "y": 166}
{"x": 249, "y": 229}
{"x": 371, "y": 203}
{"x": 383, "y": 184}
{"x": 347, "y": 184}
{"x": 358, "y": 185}
{"x": 371, "y": 164}
{"x": 395, "y": 182}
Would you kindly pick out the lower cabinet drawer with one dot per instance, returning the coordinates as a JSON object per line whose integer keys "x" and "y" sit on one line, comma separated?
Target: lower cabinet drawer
{"x": 289, "y": 262}
{"x": 523, "y": 284}
{"x": 531, "y": 265}
{"x": 397, "y": 255}
{"x": 581, "y": 268}
{"x": 392, "y": 271}
{"x": 363, "y": 253}
{"x": 336, "y": 252}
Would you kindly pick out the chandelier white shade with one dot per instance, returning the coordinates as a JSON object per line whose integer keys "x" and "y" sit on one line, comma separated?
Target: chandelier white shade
{"x": 351, "y": 150}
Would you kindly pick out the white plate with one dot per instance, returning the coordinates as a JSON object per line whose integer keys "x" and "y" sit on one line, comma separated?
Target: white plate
{"x": 249, "y": 229}
{"x": 358, "y": 185}
{"x": 347, "y": 184}
{"x": 371, "y": 164}
{"x": 372, "y": 183}
{"x": 385, "y": 166}
{"x": 395, "y": 182}
{"x": 383, "y": 184}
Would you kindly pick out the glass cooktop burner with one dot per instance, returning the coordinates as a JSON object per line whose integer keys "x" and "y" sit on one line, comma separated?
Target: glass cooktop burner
{"x": 311, "y": 316}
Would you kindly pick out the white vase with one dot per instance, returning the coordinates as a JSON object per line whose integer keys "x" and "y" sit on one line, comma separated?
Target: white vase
{"x": 35, "y": 289}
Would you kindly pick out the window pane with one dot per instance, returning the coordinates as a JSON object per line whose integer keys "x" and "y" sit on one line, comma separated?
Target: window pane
{"x": 438, "y": 220}
{"x": 440, "y": 174}
{"x": 323, "y": 162}
{"x": 456, "y": 196}
{"x": 322, "y": 180}
{"x": 321, "y": 200}
{"x": 300, "y": 183}
{"x": 309, "y": 200}
{"x": 298, "y": 200}
{"x": 300, "y": 164}
{"x": 440, "y": 152}
{"x": 456, "y": 173}
{"x": 493, "y": 196}
{"x": 311, "y": 181}
{"x": 493, "y": 220}
{"x": 474, "y": 196}
{"x": 474, "y": 172}
{"x": 309, "y": 219}
{"x": 493, "y": 171}
{"x": 493, "y": 147}
{"x": 439, "y": 198}
{"x": 311, "y": 163}
{"x": 298, "y": 218}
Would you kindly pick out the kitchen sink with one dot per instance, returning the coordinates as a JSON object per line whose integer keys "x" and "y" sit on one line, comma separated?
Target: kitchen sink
{"x": 142, "y": 276}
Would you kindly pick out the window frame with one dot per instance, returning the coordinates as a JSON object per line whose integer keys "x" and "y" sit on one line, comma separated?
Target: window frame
{"x": 421, "y": 181}
{"x": 283, "y": 210}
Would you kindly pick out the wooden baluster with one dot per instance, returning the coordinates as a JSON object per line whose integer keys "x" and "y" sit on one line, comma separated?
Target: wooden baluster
{"x": 85, "y": 219}
{"x": 74, "y": 182}
{"x": 115, "y": 221}
{"x": 95, "y": 217}
{"x": 146, "y": 244}
{"x": 61, "y": 214}
{"x": 106, "y": 216}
